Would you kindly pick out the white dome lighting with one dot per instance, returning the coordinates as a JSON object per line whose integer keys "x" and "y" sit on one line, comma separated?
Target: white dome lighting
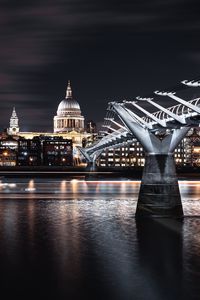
{"x": 68, "y": 106}
{"x": 68, "y": 114}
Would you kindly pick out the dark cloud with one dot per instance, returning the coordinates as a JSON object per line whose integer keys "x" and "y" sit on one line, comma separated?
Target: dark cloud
{"x": 109, "y": 49}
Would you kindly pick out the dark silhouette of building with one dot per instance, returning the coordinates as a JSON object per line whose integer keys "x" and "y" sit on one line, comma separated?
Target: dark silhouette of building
{"x": 44, "y": 150}
{"x": 29, "y": 152}
{"x": 57, "y": 152}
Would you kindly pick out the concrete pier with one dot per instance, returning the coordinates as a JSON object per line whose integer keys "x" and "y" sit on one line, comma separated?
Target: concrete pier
{"x": 159, "y": 194}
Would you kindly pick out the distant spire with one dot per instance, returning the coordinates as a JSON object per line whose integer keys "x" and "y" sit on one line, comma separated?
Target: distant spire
{"x": 14, "y": 115}
{"x": 69, "y": 90}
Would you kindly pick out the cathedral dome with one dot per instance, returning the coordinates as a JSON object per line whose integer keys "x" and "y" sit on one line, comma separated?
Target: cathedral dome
{"x": 68, "y": 106}
{"x": 68, "y": 117}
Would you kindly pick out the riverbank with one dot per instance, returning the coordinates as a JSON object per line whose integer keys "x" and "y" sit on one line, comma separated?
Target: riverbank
{"x": 45, "y": 171}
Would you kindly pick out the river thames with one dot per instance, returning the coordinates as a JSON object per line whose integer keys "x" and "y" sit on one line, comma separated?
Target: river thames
{"x": 76, "y": 238}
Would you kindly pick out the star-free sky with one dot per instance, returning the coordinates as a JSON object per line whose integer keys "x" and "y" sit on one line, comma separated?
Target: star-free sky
{"x": 110, "y": 50}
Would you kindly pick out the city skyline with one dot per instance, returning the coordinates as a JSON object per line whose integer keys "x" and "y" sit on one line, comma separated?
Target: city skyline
{"x": 52, "y": 128}
{"x": 109, "y": 50}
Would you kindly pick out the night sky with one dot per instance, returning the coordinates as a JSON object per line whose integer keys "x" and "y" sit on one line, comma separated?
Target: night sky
{"x": 110, "y": 50}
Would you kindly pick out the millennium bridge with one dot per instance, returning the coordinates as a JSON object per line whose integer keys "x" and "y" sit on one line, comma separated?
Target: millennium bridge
{"x": 159, "y": 129}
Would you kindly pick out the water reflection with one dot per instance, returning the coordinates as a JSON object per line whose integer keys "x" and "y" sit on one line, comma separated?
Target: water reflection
{"x": 189, "y": 188}
{"x": 88, "y": 242}
{"x": 63, "y": 186}
{"x": 76, "y": 189}
{"x": 31, "y": 186}
{"x": 94, "y": 248}
{"x": 160, "y": 245}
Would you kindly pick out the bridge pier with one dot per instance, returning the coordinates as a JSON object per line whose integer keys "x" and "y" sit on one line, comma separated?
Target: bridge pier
{"x": 91, "y": 166}
{"x": 159, "y": 194}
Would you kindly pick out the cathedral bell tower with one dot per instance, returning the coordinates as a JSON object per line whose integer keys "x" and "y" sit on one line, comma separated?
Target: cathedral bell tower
{"x": 14, "y": 126}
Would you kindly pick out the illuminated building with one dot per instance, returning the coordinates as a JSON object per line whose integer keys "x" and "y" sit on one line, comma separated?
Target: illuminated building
{"x": 57, "y": 152}
{"x": 124, "y": 156}
{"x": 14, "y": 124}
{"x": 186, "y": 154}
{"x": 68, "y": 125}
{"x": 29, "y": 152}
{"x": 8, "y": 143}
{"x": 192, "y": 148}
{"x": 8, "y": 151}
{"x": 7, "y": 158}
{"x": 68, "y": 116}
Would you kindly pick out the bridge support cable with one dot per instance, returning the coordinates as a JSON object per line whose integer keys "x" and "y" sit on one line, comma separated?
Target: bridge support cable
{"x": 180, "y": 119}
{"x": 140, "y": 121}
{"x": 178, "y": 99}
{"x": 150, "y": 115}
{"x": 109, "y": 127}
{"x": 116, "y": 123}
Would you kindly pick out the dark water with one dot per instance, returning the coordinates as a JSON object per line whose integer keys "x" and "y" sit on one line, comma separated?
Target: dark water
{"x": 79, "y": 240}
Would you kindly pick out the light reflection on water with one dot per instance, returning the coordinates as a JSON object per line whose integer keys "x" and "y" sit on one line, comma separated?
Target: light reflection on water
{"x": 88, "y": 243}
{"x": 76, "y": 189}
